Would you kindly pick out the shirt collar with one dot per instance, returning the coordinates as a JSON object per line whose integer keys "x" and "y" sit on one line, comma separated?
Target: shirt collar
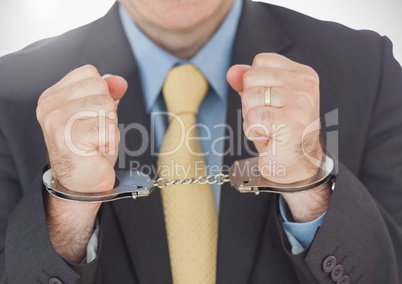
{"x": 154, "y": 62}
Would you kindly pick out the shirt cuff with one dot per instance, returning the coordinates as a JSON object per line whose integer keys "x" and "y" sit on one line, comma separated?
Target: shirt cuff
{"x": 93, "y": 244}
{"x": 300, "y": 235}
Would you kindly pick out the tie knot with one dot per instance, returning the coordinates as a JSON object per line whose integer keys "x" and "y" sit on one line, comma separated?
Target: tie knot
{"x": 184, "y": 89}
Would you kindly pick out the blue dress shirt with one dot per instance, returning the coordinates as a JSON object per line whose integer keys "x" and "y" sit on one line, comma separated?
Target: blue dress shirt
{"x": 213, "y": 60}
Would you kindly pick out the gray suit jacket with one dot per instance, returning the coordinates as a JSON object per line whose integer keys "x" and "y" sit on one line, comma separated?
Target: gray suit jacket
{"x": 363, "y": 225}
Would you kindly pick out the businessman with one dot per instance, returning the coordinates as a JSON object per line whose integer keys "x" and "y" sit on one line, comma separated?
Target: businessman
{"x": 260, "y": 67}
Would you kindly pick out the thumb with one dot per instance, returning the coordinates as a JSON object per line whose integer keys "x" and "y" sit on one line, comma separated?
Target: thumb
{"x": 117, "y": 86}
{"x": 235, "y": 76}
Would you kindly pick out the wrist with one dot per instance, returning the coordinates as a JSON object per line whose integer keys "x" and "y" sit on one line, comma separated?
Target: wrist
{"x": 306, "y": 206}
{"x": 293, "y": 168}
{"x": 70, "y": 226}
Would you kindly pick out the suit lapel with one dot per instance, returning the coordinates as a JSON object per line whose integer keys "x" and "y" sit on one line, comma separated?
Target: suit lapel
{"x": 141, "y": 221}
{"x": 241, "y": 219}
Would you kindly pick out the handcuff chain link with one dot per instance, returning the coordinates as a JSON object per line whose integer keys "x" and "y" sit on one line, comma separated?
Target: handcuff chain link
{"x": 210, "y": 179}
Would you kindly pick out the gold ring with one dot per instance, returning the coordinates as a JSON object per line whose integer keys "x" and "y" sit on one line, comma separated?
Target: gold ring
{"x": 267, "y": 96}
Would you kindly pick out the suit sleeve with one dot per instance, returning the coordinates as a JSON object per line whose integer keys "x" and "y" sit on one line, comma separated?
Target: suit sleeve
{"x": 29, "y": 254}
{"x": 10, "y": 194}
{"x": 26, "y": 254}
{"x": 360, "y": 238}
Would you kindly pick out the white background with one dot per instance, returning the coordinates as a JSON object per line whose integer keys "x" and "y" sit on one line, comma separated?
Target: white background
{"x": 25, "y": 21}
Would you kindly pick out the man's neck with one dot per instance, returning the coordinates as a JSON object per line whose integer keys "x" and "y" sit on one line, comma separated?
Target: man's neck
{"x": 182, "y": 43}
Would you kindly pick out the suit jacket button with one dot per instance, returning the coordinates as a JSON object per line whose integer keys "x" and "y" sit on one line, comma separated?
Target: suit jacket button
{"x": 55, "y": 281}
{"x": 329, "y": 263}
{"x": 337, "y": 272}
{"x": 344, "y": 280}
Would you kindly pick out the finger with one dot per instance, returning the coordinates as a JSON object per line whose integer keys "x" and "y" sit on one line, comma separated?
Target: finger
{"x": 234, "y": 76}
{"x": 273, "y": 60}
{"x": 87, "y": 138}
{"x": 114, "y": 87}
{"x": 81, "y": 73}
{"x": 93, "y": 136}
{"x": 84, "y": 88}
{"x": 89, "y": 87}
{"x": 56, "y": 114}
{"x": 270, "y": 77}
{"x": 262, "y": 124}
{"x": 280, "y": 97}
{"x": 276, "y": 124}
{"x": 255, "y": 97}
{"x": 117, "y": 86}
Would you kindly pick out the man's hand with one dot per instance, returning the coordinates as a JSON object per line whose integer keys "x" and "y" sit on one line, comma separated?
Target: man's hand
{"x": 77, "y": 116}
{"x": 79, "y": 124}
{"x": 278, "y": 130}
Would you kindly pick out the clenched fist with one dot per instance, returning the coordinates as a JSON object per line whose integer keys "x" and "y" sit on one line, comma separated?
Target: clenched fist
{"x": 79, "y": 124}
{"x": 280, "y": 100}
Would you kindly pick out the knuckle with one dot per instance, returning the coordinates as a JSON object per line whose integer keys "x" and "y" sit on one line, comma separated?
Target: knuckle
{"x": 52, "y": 120}
{"x": 309, "y": 83}
{"x": 247, "y": 78}
{"x": 89, "y": 70}
{"x": 46, "y": 102}
{"x": 261, "y": 58}
{"x": 246, "y": 99}
{"x": 98, "y": 102}
{"x": 265, "y": 59}
{"x": 274, "y": 74}
{"x": 311, "y": 72}
{"x": 259, "y": 92}
{"x": 83, "y": 84}
{"x": 46, "y": 108}
{"x": 44, "y": 95}
{"x": 101, "y": 85}
{"x": 94, "y": 85}
{"x": 253, "y": 77}
{"x": 258, "y": 96}
{"x": 40, "y": 114}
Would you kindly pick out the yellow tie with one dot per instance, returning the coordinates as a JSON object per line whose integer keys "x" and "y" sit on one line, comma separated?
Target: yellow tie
{"x": 190, "y": 213}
